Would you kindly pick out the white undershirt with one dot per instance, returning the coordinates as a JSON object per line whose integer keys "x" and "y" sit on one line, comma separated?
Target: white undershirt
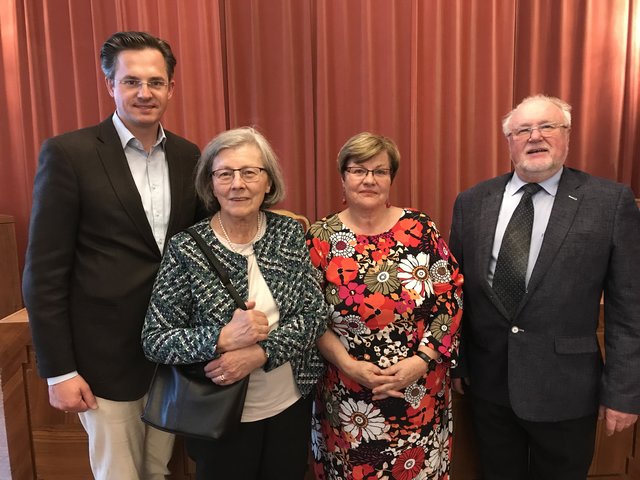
{"x": 270, "y": 392}
{"x": 150, "y": 173}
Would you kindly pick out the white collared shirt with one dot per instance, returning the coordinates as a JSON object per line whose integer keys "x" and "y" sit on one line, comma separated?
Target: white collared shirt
{"x": 151, "y": 175}
{"x": 542, "y": 204}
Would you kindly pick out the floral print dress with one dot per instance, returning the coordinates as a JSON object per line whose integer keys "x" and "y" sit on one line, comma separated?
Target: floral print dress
{"x": 388, "y": 294}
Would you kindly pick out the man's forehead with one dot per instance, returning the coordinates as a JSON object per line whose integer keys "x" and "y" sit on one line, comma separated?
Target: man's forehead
{"x": 536, "y": 110}
{"x": 133, "y": 60}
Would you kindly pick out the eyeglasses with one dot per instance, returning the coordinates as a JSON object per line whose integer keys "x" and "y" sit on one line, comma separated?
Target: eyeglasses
{"x": 247, "y": 174}
{"x": 361, "y": 172}
{"x": 546, "y": 130}
{"x": 135, "y": 84}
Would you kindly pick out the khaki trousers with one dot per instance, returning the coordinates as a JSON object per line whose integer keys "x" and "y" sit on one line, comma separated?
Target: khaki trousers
{"x": 121, "y": 446}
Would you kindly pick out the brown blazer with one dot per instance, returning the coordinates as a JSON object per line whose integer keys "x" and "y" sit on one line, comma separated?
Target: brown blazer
{"x": 92, "y": 258}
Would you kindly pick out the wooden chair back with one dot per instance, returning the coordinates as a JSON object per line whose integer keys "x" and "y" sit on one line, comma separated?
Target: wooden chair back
{"x": 304, "y": 221}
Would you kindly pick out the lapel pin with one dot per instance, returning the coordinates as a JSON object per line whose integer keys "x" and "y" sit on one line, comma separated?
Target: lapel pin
{"x": 572, "y": 198}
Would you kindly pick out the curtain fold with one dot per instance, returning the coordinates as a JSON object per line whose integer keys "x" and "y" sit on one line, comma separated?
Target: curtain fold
{"x": 435, "y": 76}
{"x": 630, "y": 132}
{"x": 464, "y": 75}
{"x": 583, "y": 60}
{"x": 269, "y": 60}
{"x": 363, "y": 75}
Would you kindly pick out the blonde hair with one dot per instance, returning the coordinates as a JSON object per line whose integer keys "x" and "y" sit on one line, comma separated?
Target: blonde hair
{"x": 365, "y": 145}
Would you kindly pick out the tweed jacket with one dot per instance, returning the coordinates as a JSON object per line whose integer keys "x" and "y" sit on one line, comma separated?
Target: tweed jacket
{"x": 190, "y": 305}
{"x": 545, "y": 361}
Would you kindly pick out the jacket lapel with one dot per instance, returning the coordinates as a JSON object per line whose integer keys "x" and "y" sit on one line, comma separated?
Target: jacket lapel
{"x": 488, "y": 220}
{"x": 176, "y": 183}
{"x": 117, "y": 169}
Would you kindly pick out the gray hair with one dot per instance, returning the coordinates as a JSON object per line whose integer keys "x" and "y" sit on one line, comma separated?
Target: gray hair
{"x": 236, "y": 138}
{"x": 120, "y": 41}
{"x": 561, "y": 104}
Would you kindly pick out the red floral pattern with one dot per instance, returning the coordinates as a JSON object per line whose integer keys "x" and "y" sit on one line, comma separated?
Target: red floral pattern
{"x": 388, "y": 293}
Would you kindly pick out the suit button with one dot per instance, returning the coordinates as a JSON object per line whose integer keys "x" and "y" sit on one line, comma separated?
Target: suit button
{"x": 515, "y": 329}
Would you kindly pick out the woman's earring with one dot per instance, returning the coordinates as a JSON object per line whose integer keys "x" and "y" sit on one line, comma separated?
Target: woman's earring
{"x": 344, "y": 197}
{"x": 388, "y": 204}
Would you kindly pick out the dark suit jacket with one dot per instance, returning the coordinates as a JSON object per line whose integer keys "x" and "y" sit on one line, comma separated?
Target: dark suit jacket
{"x": 545, "y": 361}
{"x": 92, "y": 258}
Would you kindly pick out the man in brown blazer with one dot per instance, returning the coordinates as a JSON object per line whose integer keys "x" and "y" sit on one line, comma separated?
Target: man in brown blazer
{"x": 530, "y": 351}
{"x": 106, "y": 200}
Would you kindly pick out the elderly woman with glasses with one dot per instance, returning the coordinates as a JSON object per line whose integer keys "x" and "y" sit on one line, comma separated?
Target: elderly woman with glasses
{"x": 383, "y": 408}
{"x": 192, "y": 318}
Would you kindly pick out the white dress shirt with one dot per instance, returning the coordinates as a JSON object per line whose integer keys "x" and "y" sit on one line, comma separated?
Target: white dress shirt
{"x": 150, "y": 172}
{"x": 542, "y": 204}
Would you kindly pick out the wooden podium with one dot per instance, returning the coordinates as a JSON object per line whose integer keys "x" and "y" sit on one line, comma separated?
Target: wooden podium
{"x": 10, "y": 296}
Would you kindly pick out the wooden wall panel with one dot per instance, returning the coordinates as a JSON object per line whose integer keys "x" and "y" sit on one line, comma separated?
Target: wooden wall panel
{"x": 45, "y": 443}
{"x": 10, "y": 292}
{"x": 634, "y": 463}
{"x": 59, "y": 441}
{"x": 14, "y": 339}
{"x": 464, "y": 457}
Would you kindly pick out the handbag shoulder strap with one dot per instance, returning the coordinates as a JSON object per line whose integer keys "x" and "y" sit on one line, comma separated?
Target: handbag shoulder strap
{"x": 218, "y": 267}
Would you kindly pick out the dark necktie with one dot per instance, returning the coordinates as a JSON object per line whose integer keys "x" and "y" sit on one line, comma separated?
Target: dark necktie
{"x": 511, "y": 266}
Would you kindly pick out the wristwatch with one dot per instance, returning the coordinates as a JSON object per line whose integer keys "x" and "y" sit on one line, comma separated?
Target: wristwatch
{"x": 427, "y": 359}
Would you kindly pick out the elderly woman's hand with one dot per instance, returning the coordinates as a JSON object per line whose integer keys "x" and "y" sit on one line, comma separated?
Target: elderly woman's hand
{"x": 366, "y": 373}
{"x": 403, "y": 374}
{"x": 247, "y": 327}
{"x": 235, "y": 365}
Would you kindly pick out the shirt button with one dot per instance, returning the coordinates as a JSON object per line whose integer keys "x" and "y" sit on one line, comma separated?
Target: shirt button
{"x": 515, "y": 329}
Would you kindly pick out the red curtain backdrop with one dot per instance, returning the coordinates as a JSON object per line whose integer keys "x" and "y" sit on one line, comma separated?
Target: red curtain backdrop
{"x": 270, "y": 63}
{"x": 434, "y": 75}
{"x": 587, "y": 59}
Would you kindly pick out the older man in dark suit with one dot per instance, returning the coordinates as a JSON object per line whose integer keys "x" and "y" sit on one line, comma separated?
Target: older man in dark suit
{"x": 106, "y": 199}
{"x": 538, "y": 248}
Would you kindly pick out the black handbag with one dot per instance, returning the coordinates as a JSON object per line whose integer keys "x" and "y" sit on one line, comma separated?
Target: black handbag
{"x": 182, "y": 400}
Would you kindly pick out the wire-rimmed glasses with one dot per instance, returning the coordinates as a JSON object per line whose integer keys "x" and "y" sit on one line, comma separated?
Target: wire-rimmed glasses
{"x": 247, "y": 174}
{"x": 546, "y": 130}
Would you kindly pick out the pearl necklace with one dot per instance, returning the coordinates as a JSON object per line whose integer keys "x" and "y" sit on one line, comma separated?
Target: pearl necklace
{"x": 226, "y": 236}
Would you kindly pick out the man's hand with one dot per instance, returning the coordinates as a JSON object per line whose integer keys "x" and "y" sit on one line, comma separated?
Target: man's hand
{"x": 458, "y": 384}
{"x": 615, "y": 421}
{"x": 73, "y": 395}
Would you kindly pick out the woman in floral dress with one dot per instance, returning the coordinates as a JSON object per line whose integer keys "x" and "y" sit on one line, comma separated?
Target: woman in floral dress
{"x": 383, "y": 408}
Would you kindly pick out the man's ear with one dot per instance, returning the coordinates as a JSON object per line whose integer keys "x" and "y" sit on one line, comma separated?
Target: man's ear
{"x": 110, "y": 85}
